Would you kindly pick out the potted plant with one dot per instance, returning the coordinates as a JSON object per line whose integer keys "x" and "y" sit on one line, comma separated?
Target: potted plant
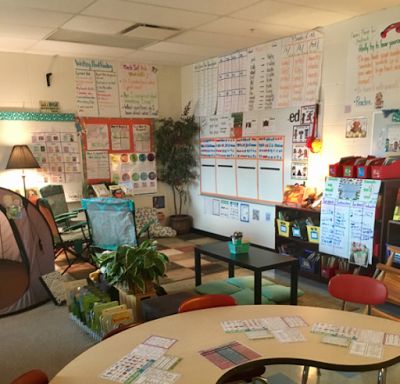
{"x": 176, "y": 162}
{"x": 137, "y": 268}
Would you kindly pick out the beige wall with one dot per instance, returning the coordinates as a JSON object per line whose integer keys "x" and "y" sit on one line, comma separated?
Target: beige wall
{"x": 23, "y": 85}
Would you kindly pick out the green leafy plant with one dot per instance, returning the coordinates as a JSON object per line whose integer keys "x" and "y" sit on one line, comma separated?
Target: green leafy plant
{"x": 176, "y": 155}
{"x": 133, "y": 266}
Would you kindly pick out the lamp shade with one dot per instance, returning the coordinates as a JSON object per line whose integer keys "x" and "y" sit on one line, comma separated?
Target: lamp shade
{"x": 21, "y": 157}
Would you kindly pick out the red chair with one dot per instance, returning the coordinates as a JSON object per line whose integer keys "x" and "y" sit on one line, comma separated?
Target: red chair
{"x": 211, "y": 301}
{"x": 358, "y": 289}
{"x": 206, "y": 301}
{"x": 35, "y": 376}
{"x": 355, "y": 289}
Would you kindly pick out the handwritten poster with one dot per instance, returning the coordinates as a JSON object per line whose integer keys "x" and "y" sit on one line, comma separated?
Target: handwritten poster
{"x": 373, "y": 63}
{"x": 232, "y": 82}
{"x": 300, "y": 70}
{"x": 386, "y": 133}
{"x": 96, "y": 88}
{"x": 97, "y": 137}
{"x": 108, "y": 89}
{"x": 205, "y": 87}
{"x": 142, "y": 137}
{"x": 97, "y": 165}
{"x": 138, "y": 90}
{"x": 348, "y": 218}
{"x": 120, "y": 137}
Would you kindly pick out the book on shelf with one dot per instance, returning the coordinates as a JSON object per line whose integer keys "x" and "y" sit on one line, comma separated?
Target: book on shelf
{"x": 101, "y": 190}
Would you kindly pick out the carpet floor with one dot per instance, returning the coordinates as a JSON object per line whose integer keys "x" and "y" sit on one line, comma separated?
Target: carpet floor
{"x": 46, "y": 338}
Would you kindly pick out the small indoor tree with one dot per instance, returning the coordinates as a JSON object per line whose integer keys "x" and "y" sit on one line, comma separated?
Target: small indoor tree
{"x": 176, "y": 161}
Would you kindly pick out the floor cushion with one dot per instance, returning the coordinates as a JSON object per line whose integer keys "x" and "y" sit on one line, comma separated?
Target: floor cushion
{"x": 217, "y": 287}
{"x": 247, "y": 281}
{"x": 278, "y": 293}
{"x": 246, "y": 297}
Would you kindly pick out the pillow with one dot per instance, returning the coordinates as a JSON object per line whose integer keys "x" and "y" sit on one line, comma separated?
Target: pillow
{"x": 246, "y": 297}
{"x": 247, "y": 281}
{"x": 278, "y": 293}
{"x": 217, "y": 287}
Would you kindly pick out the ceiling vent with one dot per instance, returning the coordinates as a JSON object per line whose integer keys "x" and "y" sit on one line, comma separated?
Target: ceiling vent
{"x": 149, "y": 31}
{"x": 119, "y": 41}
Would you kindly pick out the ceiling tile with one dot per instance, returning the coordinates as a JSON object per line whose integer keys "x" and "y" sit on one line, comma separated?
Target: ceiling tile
{"x": 22, "y": 31}
{"x": 219, "y": 7}
{"x": 162, "y": 58}
{"x": 96, "y": 25}
{"x": 288, "y": 14}
{"x": 151, "y": 33}
{"x": 220, "y": 40}
{"x": 149, "y": 14}
{"x": 248, "y": 28}
{"x": 72, "y": 6}
{"x": 184, "y": 49}
{"x": 351, "y": 8}
{"x": 32, "y": 17}
{"x": 15, "y": 45}
{"x": 66, "y": 48}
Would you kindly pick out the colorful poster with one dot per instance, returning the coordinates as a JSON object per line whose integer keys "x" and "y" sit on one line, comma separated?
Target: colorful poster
{"x": 138, "y": 169}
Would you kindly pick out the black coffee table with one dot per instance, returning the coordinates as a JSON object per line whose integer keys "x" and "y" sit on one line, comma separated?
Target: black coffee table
{"x": 256, "y": 260}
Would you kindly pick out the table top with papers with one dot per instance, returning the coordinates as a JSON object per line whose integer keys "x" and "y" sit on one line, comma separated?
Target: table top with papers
{"x": 278, "y": 334}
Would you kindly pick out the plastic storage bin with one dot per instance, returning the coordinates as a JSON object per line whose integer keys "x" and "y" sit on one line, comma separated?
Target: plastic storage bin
{"x": 238, "y": 248}
{"x": 313, "y": 233}
{"x": 283, "y": 227}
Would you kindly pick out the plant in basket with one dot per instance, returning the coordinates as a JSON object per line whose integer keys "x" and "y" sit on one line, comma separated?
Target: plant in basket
{"x": 137, "y": 268}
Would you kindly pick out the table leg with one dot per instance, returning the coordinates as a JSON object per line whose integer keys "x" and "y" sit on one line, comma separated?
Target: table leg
{"x": 257, "y": 287}
{"x": 382, "y": 376}
{"x": 197, "y": 267}
{"x": 231, "y": 270}
{"x": 293, "y": 283}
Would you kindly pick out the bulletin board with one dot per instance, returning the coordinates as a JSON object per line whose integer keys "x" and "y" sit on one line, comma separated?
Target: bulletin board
{"x": 254, "y": 155}
{"x": 121, "y": 151}
{"x": 55, "y": 143}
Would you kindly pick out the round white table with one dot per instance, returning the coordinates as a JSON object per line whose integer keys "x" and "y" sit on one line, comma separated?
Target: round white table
{"x": 201, "y": 330}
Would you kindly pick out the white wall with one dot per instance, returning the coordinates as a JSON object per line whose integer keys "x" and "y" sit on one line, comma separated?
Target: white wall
{"x": 331, "y": 125}
{"x": 23, "y": 85}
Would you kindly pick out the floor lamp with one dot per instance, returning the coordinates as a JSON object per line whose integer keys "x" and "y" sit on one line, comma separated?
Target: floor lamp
{"x": 21, "y": 157}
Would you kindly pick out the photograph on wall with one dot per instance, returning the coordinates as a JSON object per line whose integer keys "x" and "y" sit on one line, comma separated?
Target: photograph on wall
{"x": 299, "y": 170}
{"x": 392, "y": 143}
{"x": 356, "y": 127}
{"x": 300, "y": 133}
{"x": 299, "y": 152}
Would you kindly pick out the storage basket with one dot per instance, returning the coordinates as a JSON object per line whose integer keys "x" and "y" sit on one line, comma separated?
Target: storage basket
{"x": 238, "y": 248}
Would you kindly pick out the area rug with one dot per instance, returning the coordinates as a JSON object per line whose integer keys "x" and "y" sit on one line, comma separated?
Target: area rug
{"x": 180, "y": 271}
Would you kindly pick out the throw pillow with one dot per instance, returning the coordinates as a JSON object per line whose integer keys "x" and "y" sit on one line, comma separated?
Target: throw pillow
{"x": 247, "y": 281}
{"x": 278, "y": 293}
{"x": 246, "y": 297}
